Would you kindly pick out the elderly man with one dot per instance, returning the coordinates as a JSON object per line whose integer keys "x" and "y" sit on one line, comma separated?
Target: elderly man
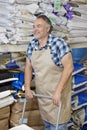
{"x": 51, "y": 59}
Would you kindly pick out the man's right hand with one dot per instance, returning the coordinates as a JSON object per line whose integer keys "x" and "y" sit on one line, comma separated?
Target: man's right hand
{"x": 29, "y": 93}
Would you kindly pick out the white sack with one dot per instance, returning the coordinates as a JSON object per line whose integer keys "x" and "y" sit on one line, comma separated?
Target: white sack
{"x": 31, "y": 8}
{"x": 77, "y": 33}
{"x": 6, "y": 101}
{"x": 82, "y": 1}
{"x": 3, "y": 38}
{"x": 5, "y": 94}
{"x": 75, "y": 40}
{"x": 21, "y": 127}
{"x": 2, "y": 30}
{"x": 27, "y": 1}
{"x": 76, "y": 25}
{"x": 8, "y": 1}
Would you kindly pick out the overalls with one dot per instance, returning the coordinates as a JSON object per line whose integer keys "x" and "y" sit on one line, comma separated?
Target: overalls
{"x": 47, "y": 76}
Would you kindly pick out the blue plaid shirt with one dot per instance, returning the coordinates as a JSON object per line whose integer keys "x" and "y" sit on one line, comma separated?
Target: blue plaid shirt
{"x": 58, "y": 48}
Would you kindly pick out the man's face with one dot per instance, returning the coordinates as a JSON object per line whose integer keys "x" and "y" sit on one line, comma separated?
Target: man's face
{"x": 40, "y": 29}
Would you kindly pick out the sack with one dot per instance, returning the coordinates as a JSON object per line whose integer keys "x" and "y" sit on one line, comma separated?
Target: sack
{"x": 22, "y": 127}
{"x": 6, "y": 101}
{"x": 79, "y": 117}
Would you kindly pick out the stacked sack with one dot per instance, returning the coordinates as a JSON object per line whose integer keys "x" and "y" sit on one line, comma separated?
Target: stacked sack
{"x": 77, "y": 26}
{"x": 17, "y": 21}
{"x": 31, "y": 116}
{"x": 12, "y": 99}
{"x": 4, "y": 118}
{"x": 6, "y": 98}
{"x": 69, "y": 19}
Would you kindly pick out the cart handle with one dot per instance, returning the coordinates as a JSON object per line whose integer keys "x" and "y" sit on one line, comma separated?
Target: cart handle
{"x": 59, "y": 107}
{"x": 42, "y": 96}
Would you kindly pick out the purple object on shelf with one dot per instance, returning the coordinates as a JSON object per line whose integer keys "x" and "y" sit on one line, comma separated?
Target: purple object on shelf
{"x": 69, "y": 15}
{"x": 67, "y": 7}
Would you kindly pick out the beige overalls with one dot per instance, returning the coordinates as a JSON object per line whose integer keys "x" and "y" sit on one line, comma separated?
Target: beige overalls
{"x": 47, "y": 76}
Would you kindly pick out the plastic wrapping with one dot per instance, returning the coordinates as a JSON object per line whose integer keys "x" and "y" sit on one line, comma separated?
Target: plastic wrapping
{"x": 6, "y": 101}
{"x": 22, "y": 127}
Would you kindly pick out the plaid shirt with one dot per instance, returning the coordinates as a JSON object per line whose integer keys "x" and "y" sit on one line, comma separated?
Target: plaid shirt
{"x": 58, "y": 48}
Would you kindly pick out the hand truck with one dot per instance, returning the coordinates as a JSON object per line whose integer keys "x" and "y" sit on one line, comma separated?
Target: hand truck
{"x": 42, "y": 96}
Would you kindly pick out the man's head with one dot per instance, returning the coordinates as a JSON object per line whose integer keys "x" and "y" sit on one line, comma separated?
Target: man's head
{"x": 42, "y": 27}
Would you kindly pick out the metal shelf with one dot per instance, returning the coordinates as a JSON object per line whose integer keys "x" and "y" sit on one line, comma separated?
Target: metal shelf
{"x": 23, "y": 47}
{"x": 13, "y": 48}
{"x": 79, "y": 45}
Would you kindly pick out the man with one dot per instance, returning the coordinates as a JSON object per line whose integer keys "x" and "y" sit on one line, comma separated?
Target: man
{"x": 51, "y": 59}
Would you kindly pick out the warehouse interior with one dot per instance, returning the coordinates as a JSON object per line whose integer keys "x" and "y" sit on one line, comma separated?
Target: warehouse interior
{"x": 69, "y": 20}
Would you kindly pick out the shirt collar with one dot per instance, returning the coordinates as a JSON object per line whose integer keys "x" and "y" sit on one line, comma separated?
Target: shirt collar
{"x": 47, "y": 44}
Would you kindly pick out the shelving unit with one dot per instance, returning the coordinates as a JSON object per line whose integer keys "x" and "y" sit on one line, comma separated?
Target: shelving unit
{"x": 23, "y": 47}
{"x": 79, "y": 45}
{"x": 13, "y": 48}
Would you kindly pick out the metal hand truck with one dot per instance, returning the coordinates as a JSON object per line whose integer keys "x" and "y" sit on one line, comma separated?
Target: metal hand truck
{"x": 42, "y": 96}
